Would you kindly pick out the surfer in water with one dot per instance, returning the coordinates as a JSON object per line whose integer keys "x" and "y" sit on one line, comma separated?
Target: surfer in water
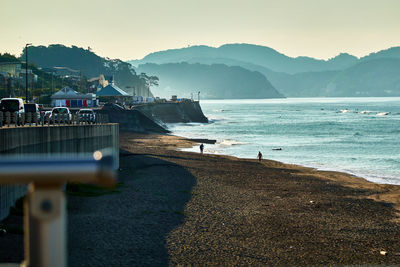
{"x": 201, "y": 148}
{"x": 259, "y": 156}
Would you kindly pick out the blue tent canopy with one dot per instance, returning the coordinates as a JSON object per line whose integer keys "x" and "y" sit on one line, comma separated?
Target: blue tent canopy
{"x": 112, "y": 90}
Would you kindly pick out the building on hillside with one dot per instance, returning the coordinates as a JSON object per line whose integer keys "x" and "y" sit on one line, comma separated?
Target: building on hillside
{"x": 67, "y": 97}
{"x": 10, "y": 69}
{"x": 67, "y": 72}
{"x": 31, "y": 76}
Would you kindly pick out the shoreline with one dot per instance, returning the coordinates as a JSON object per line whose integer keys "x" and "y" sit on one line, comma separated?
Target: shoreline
{"x": 392, "y": 194}
{"x": 368, "y": 177}
{"x": 347, "y": 178}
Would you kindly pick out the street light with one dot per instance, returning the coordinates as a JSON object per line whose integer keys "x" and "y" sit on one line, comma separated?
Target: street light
{"x": 26, "y": 71}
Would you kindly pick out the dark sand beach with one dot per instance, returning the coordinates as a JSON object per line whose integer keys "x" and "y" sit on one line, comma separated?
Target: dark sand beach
{"x": 182, "y": 208}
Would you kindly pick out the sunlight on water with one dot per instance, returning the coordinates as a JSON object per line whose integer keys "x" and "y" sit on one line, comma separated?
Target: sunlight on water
{"x": 356, "y": 135}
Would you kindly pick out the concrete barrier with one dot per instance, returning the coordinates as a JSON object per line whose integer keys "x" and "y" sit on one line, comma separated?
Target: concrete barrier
{"x": 174, "y": 112}
{"x": 48, "y": 140}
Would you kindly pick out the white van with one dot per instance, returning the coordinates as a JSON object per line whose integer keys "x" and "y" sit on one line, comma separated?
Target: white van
{"x": 12, "y": 105}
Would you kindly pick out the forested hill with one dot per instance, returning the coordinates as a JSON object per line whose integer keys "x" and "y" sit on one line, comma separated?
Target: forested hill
{"x": 76, "y": 58}
{"x": 214, "y": 81}
{"x": 88, "y": 63}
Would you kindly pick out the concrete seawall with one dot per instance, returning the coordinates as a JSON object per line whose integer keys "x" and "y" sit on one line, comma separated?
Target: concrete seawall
{"x": 133, "y": 121}
{"x": 50, "y": 140}
{"x": 172, "y": 112}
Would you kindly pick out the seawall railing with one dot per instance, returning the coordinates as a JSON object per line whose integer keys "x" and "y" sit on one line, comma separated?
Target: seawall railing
{"x": 8, "y": 119}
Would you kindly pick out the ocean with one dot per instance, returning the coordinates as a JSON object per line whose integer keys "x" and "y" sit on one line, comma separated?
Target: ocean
{"x": 360, "y": 136}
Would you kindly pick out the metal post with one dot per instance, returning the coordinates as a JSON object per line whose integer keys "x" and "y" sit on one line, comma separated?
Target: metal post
{"x": 15, "y": 115}
{"x": 8, "y": 118}
{"x": 26, "y": 72}
{"x": 45, "y": 222}
{"x": 29, "y": 118}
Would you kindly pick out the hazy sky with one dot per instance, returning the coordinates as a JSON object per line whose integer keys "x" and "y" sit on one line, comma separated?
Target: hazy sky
{"x": 130, "y": 29}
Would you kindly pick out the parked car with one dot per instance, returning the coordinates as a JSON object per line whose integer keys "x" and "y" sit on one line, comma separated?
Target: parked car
{"x": 61, "y": 114}
{"x": 86, "y": 114}
{"x": 12, "y": 105}
{"x": 33, "y": 109}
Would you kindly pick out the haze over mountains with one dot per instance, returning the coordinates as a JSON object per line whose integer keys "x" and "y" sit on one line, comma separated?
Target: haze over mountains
{"x": 214, "y": 81}
{"x": 377, "y": 74}
{"x": 236, "y": 71}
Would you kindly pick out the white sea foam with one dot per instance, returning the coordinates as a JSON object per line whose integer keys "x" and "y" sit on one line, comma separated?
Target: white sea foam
{"x": 382, "y": 114}
{"x": 220, "y": 110}
{"x": 215, "y": 118}
{"x": 230, "y": 142}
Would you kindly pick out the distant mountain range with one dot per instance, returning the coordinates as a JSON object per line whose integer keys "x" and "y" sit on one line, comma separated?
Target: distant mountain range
{"x": 236, "y": 71}
{"x": 377, "y": 74}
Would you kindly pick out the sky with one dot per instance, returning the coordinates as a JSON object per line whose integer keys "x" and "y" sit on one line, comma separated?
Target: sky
{"x": 130, "y": 29}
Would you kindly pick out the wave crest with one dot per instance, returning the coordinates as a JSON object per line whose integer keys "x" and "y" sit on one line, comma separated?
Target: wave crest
{"x": 230, "y": 142}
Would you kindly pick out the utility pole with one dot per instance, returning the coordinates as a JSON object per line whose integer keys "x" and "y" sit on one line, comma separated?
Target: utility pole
{"x": 26, "y": 72}
{"x": 52, "y": 85}
{"x": 198, "y": 96}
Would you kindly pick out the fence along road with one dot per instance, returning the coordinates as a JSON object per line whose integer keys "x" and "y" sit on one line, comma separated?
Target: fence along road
{"x": 10, "y": 119}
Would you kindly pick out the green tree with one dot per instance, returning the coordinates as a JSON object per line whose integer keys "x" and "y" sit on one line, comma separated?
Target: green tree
{"x": 147, "y": 81}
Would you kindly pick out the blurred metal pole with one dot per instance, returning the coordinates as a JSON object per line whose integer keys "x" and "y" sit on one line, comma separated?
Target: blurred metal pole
{"x": 45, "y": 226}
{"x": 45, "y": 206}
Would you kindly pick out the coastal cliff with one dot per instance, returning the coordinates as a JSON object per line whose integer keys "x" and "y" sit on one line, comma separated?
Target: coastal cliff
{"x": 174, "y": 112}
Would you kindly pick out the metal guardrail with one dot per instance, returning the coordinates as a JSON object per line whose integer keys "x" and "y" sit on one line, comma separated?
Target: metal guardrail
{"x": 8, "y": 119}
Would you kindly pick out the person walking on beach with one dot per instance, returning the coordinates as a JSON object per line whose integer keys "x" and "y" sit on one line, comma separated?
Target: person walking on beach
{"x": 259, "y": 156}
{"x": 201, "y": 148}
